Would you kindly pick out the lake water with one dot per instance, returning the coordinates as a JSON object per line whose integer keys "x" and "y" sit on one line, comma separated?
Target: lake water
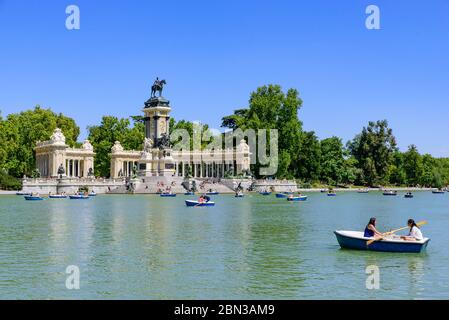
{"x": 257, "y": 247}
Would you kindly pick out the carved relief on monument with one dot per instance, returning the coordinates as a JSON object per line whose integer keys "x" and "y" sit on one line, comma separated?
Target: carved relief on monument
{"x": 117, "y": 147}
{"x": 147, "y": 145}
{"x": 87, "y": 145}
{"x": 57, "y": 137}
{"x": 162, "y": 126}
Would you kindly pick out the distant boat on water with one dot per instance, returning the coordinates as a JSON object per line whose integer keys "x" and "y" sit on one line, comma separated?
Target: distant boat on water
{"x": 57, "y": 196}
{"x": 390, "y": 193}
{"x": 167, "y": 195}
{"x": 79, "y": 197}
{"x": 298, "y": 198}
{"x": 33, "y": 198}
{"x": 22, "y": 193}
{"x": 281, "y": 195}
{"x": 195, "y": 203}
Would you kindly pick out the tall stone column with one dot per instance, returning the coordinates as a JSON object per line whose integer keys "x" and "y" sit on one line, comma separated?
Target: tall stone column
{"x": 156, "y": 111}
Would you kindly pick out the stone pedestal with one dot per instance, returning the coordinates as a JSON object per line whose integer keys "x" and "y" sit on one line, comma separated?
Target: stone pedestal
{"x": 156, "y": 159}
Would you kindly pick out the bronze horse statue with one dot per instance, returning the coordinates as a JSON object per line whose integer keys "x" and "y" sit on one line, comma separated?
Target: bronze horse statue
{"x": 158, "y": 86}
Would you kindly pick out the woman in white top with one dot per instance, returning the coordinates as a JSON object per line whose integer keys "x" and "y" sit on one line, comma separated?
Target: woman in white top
{"x": 415, "y": 233}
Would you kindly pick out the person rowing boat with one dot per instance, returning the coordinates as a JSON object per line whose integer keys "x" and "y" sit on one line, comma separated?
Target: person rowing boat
{"x": 414, "y": 234}
{"x": 370, "y": 229}
{"x": 203, "y": 199}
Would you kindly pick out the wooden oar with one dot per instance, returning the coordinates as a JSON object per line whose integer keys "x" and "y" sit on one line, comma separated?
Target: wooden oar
{"x": 421, "y": 223}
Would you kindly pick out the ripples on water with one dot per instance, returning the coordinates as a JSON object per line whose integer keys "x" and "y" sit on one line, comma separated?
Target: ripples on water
{"x": 257, "y": 247}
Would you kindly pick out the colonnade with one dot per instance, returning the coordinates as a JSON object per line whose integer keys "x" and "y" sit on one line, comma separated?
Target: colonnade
{"x": 206, "y": 169}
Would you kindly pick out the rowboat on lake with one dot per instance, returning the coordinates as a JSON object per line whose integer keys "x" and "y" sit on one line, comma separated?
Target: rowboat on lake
{"x": 239, "y": 195}
{"x": 408, "y": 195}
{"x": 79, "y": 197}
{"x": 22, "y": 193}
{"x": 356, "y": 240}
{"x": 212, "y": 193}
{"x": 363, "y": 191}
{"x": 57, "y": 196}
{"x": 281, "y": 195}
{"x": 390, "y": 193}
{"x": 194, "y": 203}
{"x": 92, "y": 194}
{"x": 265, "y": 193}
{"x": 298, "y": 198}
{"x": 167, "y": 195}
{"x": 438, "y": 191}
{"x": 33, "y": 198}
{"x": 331, "y": 194}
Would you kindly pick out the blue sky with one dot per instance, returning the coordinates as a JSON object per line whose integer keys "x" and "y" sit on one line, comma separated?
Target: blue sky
{"x": 214, "y": 53}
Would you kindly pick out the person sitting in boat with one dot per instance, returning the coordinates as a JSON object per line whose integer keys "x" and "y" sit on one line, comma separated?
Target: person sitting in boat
{"x": 370, "y": 230}
{"x": 201, "y": 199}
{"x": 414, "y": 234}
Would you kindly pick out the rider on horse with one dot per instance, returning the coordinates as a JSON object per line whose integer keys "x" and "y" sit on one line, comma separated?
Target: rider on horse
{"x": 158, "y": 85}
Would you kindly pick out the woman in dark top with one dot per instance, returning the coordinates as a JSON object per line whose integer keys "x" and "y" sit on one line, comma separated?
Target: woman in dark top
{"x": 370, "y": 230}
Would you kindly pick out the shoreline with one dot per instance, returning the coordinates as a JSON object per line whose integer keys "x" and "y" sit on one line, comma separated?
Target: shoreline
{"x": 300, "y": 190}
{"x": 7, "y": 192}
{"x": 367, "y": 189}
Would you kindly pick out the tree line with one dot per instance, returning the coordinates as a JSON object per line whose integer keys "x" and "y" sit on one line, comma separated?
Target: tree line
{"x": 371, "y": 158}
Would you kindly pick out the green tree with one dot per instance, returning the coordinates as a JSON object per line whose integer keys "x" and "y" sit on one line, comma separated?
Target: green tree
{"x": 396, "y": 172}
{"x": 374, "y": 148}
{"x": 19, "y": 133}
{"x": 271, "y": 108}
{"x": 413, "y": 165}
{"x": 103, "y": 137}
{"x": 307, "y": 166}
{"x": 332, "y": 160}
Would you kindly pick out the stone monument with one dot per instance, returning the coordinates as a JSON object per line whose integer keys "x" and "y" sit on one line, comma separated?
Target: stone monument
{"x": 156, "y": 159}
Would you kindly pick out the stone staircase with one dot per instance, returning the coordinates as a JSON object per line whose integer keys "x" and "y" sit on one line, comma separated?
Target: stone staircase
{"x": 151, "y": 185}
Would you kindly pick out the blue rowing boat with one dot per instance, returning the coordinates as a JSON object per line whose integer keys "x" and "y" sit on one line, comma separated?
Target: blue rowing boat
{"x": 299, "y": 198}
{"x": 356, "y": 240}
{"x": 281, "y": 195}
{"x": 33, "y": 198}
{"x": 265, "y": 193}
{"x": 168, "y": 195}
{"x": 22, "y": 193}
{"x": 331, "y": 194}
{"x": 212, "y": 193}
{"x": 78, "y": 197}
{"x": 194, "y": 203}
{"x": 57, "y": 196}
{"x": 239, "y": 195}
